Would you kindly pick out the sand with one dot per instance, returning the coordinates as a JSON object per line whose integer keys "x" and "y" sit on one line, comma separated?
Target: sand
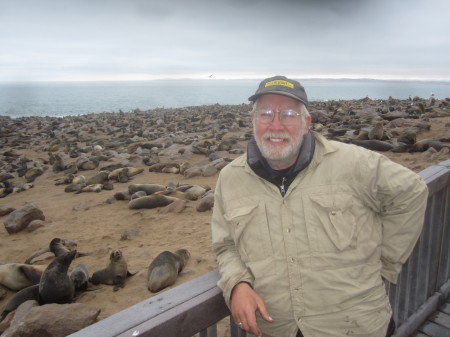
{"x": 98, "y": 226}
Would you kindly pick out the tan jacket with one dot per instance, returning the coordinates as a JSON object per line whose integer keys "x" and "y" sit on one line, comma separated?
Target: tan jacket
{"x": 316, "y": 255}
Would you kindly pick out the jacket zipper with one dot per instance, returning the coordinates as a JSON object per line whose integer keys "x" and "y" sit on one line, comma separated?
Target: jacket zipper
{"x": 282, "y": 190}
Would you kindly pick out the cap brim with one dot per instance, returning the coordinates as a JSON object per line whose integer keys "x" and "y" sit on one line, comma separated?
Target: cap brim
{"x": 254, "y": 97}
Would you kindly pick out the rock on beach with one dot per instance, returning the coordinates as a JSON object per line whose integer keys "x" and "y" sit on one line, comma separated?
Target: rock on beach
{"x": 21, "y": 218}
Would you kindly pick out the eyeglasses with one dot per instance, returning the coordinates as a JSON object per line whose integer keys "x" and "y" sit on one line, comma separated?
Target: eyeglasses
{"x": 286, "y": 117}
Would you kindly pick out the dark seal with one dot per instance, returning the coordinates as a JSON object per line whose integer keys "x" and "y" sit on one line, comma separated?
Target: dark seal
{"x": 164, "y": 269}
{"x": 26, "y": 294}
{"x": 55, "y": 285}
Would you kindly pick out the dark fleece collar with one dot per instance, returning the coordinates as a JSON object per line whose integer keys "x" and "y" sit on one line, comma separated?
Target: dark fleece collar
{"x": 260, "y": 166}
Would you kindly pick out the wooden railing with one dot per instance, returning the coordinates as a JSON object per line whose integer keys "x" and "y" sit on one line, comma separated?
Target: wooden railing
{"x": 196, "y": 306}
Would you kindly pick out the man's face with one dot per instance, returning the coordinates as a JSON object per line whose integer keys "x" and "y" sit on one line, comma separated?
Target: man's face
{"x": 279, "y": 141}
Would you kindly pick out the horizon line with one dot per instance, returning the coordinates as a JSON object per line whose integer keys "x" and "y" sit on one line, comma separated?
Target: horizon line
{"x": 307, "y": 78}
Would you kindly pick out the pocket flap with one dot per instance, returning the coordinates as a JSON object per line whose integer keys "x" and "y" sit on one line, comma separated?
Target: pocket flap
{"x": 240, "y": 211}
{"x": 339, "y": 202}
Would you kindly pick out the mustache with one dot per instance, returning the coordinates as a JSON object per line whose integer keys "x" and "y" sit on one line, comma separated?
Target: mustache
{"x": 271, "y": 134}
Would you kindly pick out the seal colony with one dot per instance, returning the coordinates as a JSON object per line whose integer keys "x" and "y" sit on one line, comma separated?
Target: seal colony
{"x": 181, "y": 152}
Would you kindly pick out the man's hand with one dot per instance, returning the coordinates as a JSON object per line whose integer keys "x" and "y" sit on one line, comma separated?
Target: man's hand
{"x": 245, "y": 302}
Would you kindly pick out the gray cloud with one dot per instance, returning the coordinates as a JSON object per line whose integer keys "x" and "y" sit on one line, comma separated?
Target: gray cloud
{"x": 54, "y": 40}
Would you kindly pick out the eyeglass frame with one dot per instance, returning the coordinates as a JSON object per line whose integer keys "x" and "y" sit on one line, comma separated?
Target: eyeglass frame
{"x": 281, "y": 116}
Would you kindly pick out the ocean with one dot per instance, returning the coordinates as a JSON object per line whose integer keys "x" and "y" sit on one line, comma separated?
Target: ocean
{"x": 58, "y": 99}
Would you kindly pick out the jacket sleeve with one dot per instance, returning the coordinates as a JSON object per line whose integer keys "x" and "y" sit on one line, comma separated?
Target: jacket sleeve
{"x": 403, "y": 199}
{"x": 232, "y": 269}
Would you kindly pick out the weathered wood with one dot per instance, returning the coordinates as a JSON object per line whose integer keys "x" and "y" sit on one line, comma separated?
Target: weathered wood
{"x": 434, "y": 330}
{"x": 441, "y": 319}
{"x": 445, "y": 308}
{"x": 187, "y": 294}
{"x": 186, "y": 319}
{"x": 437, "y": 177}
{"x": 209, "y": 332}
{"x": 411, "y": 325}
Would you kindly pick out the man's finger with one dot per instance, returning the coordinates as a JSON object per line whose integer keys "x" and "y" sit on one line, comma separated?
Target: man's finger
{"x": 263, "y": 312}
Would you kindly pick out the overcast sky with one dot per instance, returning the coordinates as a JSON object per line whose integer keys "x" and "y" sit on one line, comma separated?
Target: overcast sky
{"x": 145, "y": 39}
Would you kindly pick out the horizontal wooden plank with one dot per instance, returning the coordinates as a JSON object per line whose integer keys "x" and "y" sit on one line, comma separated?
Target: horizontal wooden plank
{"x": 445, "y": 308}
{"x": 441, "y": 319}
{"x": 437, "y": 177}
{"x": 152, "y": 307}
{"x": 186, "y": 319}
{"x": 434, "y": 330}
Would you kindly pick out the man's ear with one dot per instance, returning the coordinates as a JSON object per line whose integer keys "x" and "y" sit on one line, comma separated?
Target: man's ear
{"x": 307, "y": 123}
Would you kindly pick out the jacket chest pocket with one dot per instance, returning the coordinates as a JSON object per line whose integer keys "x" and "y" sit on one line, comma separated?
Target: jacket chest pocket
{"x": 251, "y": 231}
{"x": 330, "y": 222}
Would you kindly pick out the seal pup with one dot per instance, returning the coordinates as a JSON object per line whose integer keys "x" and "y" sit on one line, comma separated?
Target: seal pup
{"x": 26, "y": 294}
{"x": 17, "y": 276}
{"x": 138, "y": 194}
{"x": 115, "y": 273}
{"x": 80, "y": 277}
{"x": 55, "y": 285}
{"x": 164, "y": 269}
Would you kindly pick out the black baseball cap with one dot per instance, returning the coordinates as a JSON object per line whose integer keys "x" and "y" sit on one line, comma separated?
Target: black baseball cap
{"x": 281, "y": 85}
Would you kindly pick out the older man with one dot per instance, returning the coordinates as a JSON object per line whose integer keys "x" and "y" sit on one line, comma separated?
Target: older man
{"x": 304, "y": 228}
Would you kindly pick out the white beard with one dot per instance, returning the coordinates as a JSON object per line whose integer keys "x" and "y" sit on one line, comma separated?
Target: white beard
{"x": 279, "y": 157}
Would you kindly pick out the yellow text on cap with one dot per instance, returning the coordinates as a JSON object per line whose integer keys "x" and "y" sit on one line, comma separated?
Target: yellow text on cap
{"x": 280, "y": 82}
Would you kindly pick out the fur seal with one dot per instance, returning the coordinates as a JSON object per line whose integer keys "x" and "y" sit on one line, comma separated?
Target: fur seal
{"x": 376, "y": 145}
{"x": 377, "y": 132}
{"x": 164, "y": 269}
{"x": 138, "y": 194}
{"x": 91, "y": 188}
{"x": 5, "y": 189}
{"x": 55, "y": 285}
{"x": 159, "y": 166}
{"x": 73, "y": 187}
{"x": 151, "y": 201}
{"x": 81, "y": 180}
{"x": 67, "y": 179}
{"x": 147, "y": 188}
{"x": 26, "y": 294}
{"x": 80, "y": 277}
{"x": 424, "y": 144}
{"x": 58, "y": 247}
{"x": 178, "y": 194}
{"x": 100, "y": 178}
{"x": 129, "y": 171}
{"x": 115, "y": 273}
{"x": 17, "y": 276}
{"x": 171, "y": 169}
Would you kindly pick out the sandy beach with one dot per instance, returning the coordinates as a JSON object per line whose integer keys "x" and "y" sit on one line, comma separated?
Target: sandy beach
{"x": 99, "y": 223}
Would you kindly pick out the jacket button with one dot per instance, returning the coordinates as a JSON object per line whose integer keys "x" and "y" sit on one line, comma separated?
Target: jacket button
{"x": 292, "y": 259}
{"x": 333, "y": 212}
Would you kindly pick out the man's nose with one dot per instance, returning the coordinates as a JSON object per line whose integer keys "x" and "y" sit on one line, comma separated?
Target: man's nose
{"x": 276, "y": 123}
